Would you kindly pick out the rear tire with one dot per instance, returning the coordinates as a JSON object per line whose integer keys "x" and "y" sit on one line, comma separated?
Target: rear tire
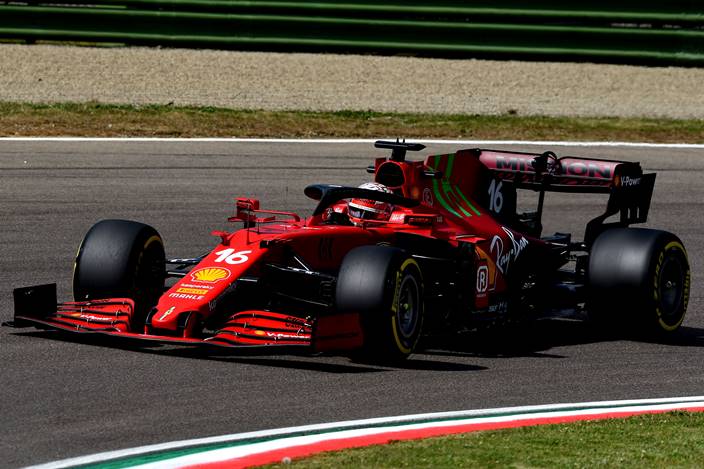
{"x": 385, "y": 286}
{"x": 121, "y": 259}
{"x": 639, "y": 280}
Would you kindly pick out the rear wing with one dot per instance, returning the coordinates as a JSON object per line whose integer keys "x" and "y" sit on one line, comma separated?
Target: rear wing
{"x": 630, "y": 191}
{"x": 545, "y": 171}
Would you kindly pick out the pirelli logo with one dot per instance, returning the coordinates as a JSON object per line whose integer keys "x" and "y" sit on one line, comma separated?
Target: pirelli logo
{"x": 192, "y": 291}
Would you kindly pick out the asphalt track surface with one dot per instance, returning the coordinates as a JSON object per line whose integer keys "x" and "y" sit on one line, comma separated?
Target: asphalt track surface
{"x": 61, "y": 398}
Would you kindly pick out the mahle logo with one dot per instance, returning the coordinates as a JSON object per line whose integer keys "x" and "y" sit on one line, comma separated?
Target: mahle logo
{"x": 210, "y": 275}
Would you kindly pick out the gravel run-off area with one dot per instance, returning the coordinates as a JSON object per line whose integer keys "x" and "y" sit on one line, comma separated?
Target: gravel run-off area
{"x": 321, "y": 82}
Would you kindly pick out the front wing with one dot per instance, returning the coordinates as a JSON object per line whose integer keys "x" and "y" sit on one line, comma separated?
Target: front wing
{"x": 37, "y": 306}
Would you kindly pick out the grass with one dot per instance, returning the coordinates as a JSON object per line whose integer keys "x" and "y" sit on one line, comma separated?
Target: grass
{"x": 674, "y": 439}
{"x": 101, "y": 120}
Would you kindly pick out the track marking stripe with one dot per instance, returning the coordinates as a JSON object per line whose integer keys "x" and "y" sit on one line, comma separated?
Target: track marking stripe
{"x": 276, "y": 455}
{"x": 269, "y": 445}
{"x": 352, "y": 140}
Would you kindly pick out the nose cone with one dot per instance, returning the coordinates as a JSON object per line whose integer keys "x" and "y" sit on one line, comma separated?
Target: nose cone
{"x": 165, "y": 319}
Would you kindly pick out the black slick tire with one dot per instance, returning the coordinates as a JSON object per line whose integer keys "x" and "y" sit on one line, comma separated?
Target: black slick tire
{"x": 120, "y": 258}
{"x": 639, "y": 281}
{"x": 385, "y": 286}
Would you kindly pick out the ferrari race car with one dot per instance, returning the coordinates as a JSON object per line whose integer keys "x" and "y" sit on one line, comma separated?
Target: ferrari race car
{"x": 445, "y": 249}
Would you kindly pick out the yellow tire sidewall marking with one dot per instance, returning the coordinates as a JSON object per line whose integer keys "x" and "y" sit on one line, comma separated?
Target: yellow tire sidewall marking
{"x": 406, "y": 350}
{"x": 656, "y": 284}
{"x": 75, "y": 268}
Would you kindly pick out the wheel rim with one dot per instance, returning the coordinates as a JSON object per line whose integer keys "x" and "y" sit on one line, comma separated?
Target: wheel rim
{"x": 408, "y": 312}
{"x": 671, "y": 289}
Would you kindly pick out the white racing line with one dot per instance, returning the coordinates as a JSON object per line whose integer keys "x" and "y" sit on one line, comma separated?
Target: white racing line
{"x": 352, "y": 140}
{"x": 270, "y": 446}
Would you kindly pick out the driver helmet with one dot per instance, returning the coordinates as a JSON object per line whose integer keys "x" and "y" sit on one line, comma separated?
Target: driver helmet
{"x": 365, "y": 209}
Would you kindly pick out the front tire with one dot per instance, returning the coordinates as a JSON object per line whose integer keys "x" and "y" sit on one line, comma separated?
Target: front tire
{"x": 639, "y": 278}
{"x": 120, "y": 259}
{"x": 385, "y": 286}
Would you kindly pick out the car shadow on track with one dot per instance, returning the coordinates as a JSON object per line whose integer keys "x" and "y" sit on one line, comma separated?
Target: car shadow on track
{"x": 535, "y": 339}
{"x": 293, "y": 359}
{"x": 530, "y": 339}
{"x": 331, "y": 364}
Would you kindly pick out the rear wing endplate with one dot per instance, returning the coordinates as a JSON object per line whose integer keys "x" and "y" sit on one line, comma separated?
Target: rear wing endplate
{"x": 630, "y": 199}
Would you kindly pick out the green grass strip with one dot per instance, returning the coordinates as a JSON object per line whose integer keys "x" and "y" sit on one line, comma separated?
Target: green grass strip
{"x": 102, "y": 120}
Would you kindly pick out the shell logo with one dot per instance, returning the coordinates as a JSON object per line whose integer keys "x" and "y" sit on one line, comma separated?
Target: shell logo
{"x": 210, "y": 275}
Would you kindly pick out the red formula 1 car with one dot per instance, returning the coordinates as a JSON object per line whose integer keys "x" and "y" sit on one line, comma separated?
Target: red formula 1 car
{"x": 431, "y": 245}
